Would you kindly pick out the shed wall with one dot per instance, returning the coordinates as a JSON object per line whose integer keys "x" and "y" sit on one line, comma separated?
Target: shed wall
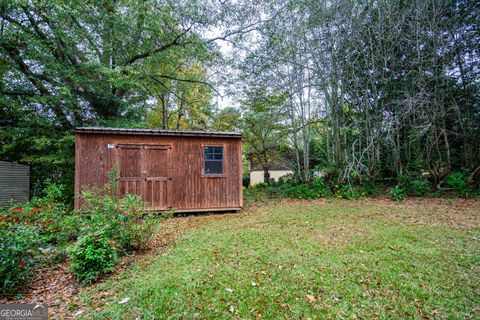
{"x": 190, "y": 189}
{"x": 14, "y": 183}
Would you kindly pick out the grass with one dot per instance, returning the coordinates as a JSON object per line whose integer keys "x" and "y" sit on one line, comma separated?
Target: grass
{"x": 309, "y": 260}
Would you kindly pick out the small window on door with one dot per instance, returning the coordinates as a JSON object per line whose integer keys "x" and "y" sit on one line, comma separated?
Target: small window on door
{"x": 213, "y": 160}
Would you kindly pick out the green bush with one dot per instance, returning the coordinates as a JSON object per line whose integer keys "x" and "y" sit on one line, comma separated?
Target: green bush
{"x": 458, "y": 181}
{"x": 93, "y": 256}
{"x": 414, "y": 185}
{"x": 398, "y": 193}
{"x": 19, "y": 248}
{"x": 420, "y": 187}
{"x": 368, "y": 188}
{"x": 302, "y": 191}
{"x": 124, "y": 220}
{"x": 350, "y": 192}
{"x": 295, "y": 189}
{"x": 54, "y": 221}
{"x": 259, "y": 186}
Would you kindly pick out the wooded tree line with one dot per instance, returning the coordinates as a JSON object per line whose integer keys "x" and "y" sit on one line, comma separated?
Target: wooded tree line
{"x": 357, "y": 90}
{"x": 373, "y": 89}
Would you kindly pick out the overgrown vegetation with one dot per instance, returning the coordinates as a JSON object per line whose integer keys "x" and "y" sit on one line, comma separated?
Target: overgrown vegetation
{"x": 320, "y": 187}
{"x": 19, "y": 248}
{"x": 93, "y": 255}
{"x": 113, "y": 227}
{"x": 47, "y": 231}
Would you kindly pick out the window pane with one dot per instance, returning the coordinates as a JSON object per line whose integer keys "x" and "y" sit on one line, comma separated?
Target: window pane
{"x": 213, "y": 160}
{"x": 213, "y": 167}
{"x": 209, "y": 156}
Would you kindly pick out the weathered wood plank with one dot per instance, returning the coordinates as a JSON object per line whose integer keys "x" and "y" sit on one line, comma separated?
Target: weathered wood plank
{"x": 171, "y": 166}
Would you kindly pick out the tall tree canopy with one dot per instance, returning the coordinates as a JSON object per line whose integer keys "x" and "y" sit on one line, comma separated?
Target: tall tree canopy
{"x": 385, "y": 87}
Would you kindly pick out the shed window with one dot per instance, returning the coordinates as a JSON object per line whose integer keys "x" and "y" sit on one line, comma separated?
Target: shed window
{"x": 213, "y": 160}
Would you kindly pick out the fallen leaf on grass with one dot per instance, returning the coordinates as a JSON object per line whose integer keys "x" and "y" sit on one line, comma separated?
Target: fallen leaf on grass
{"x": 311, "y": 297}
{"x": 124, "y": 300}
{"x": 79, "y": 312}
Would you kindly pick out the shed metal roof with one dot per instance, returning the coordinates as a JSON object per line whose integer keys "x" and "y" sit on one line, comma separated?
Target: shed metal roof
{"x": 159, "y": 132}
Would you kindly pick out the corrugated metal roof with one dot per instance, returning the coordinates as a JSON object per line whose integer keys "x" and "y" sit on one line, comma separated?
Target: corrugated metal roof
{"x": 159, "y": 132}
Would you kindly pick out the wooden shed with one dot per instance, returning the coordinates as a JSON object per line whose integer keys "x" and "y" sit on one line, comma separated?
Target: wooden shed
{"x": 183, "y": 170}
{"x": 14, "y": 183}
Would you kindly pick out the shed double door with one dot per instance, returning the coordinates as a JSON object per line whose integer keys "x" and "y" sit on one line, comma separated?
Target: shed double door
{"x": 145, "y": 170}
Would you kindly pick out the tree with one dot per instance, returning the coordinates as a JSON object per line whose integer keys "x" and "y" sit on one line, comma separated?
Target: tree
{"x": 264, "y": 131}
{"x": 394, "y": 84}
{"x": 182, "y": 104}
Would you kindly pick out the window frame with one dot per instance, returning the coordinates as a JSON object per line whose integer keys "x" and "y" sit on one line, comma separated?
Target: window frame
{"x": 213, "y": 175}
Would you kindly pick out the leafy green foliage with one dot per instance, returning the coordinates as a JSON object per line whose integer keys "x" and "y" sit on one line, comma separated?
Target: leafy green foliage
{"x": 294, "y": 189}
{"x": 110, "y": 227}
{"x": 124, "y": 220}
{"x": 92, "y": 256}
{"x": 414, "y": 185}
{"x": 317, "y": 188}
{"x": 19, "y": 247}
{"x": 458, "y": 181}
{"x": 49, "y": 214}
{"x": 398, "y": 193}
{"x": 113, "y": 226}
{"x": 349, "y": 191}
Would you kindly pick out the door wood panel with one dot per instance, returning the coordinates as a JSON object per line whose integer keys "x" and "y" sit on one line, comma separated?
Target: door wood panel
{"x": 145, "y": 170}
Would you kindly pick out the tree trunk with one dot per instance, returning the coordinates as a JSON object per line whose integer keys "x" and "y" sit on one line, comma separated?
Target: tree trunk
{"x": 266, "y": 175}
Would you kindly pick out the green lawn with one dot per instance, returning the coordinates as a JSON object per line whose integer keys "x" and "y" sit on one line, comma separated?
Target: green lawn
{"x": 310, "y": 260}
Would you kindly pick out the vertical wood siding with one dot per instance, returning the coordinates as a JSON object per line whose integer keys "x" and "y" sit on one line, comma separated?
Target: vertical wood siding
{"x": 173, "y": 165}
{"x": 14, "y": 183}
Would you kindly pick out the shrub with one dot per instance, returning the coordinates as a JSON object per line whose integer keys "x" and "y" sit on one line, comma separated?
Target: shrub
{"x": 348, "y": 191}
{"x": 302, "y": 191}
{"x": 18, "y": 250}
{"x": 368, "y": 188}
{"x": 398, "y": 193}
{"x": 415, "y": 186}
{"x": 295, "y": 189}
{"x": 92, "y": 256}
{"x": 124, "y": 220}
{"x": 49, "y": 214}
{"x": 458, "y": 181}
{"x": 420, "y": 187}
{"x": 259, "y": 186}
